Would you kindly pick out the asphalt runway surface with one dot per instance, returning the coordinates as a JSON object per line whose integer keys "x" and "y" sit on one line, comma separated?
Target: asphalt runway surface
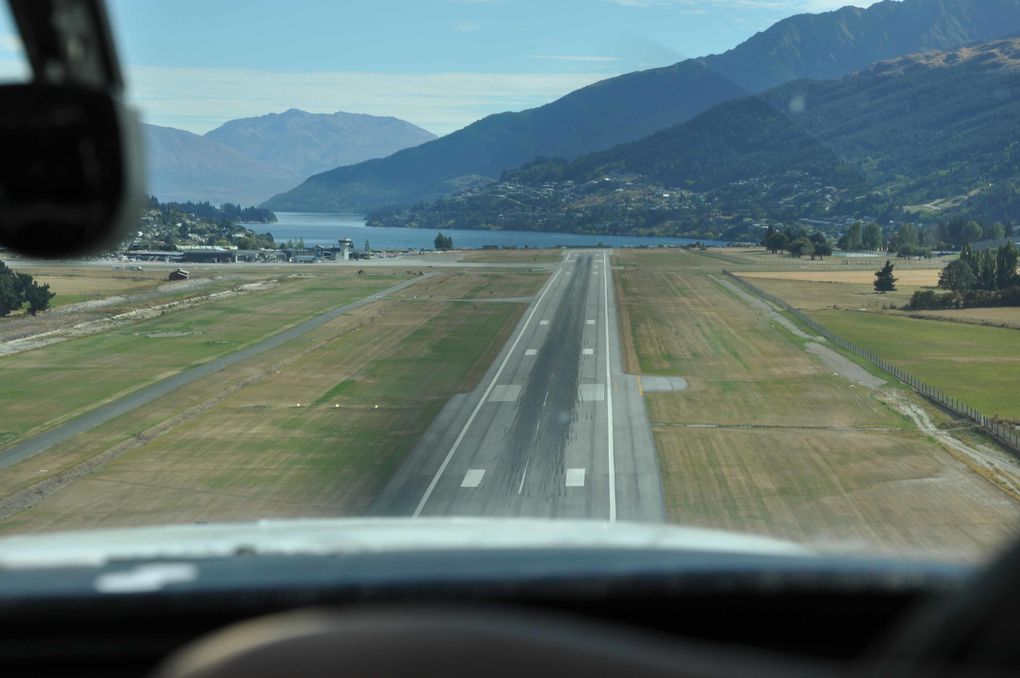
{"x": 554, "y": 429}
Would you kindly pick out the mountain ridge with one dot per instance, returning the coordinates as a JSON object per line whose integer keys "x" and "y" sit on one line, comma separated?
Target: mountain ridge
{"x": 251, "y": 159}
{"x": 659, "y": 98}
{"x": 935, "y": 127}
{"x": 308, "y": 143}
{"x": 183, "y": 166}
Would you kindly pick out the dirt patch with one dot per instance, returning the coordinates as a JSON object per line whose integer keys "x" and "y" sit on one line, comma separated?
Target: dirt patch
{"x": 998, "y": 468}
{"x": 844, "y": 367}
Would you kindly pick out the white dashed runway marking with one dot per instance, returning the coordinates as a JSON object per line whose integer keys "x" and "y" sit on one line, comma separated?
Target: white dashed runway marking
{"x": 575, "y": 477}
{"x": 473, "y": 478}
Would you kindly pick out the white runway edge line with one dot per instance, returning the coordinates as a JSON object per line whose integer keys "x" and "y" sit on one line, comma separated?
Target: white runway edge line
{"x": 484, "y": 399}
{"x": 609, "y": 395}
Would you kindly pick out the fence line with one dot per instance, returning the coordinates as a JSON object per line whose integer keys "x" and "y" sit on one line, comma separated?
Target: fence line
{"x": 1004, "y": 432}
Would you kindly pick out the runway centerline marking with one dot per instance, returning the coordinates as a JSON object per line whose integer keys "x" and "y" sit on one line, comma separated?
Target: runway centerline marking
{"x": 587, "y": 351}
{"x": 575, "y": 477}
{"x": 531, "y": 351}
{"x": 523, "y": 476}
{"x": 589, "y": 322}
{"x": 543, "y": 322}
{"x": 482, "y": 400}
{"x": 473, "y": 478}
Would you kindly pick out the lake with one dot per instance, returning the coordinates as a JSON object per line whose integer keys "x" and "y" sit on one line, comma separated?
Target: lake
{"x": 325, "y": 229}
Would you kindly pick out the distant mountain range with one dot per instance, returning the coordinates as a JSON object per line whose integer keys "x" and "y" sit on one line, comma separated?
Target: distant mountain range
{"x": 938, "y": 129}
{"x": 629, "y": 107}
{"x": 249, "y": 160}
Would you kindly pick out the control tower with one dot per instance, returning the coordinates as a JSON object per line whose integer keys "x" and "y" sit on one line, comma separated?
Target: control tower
{"x": 346, "y": 247}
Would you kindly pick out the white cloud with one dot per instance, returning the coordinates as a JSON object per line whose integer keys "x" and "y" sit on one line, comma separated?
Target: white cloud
{"x": 576, "y": 58}
{"x": 200, "y": 99}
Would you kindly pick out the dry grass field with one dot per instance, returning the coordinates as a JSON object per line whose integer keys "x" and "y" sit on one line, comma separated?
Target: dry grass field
{"x": 313, "y": 430}
{"x": 475, "y": 284}
{"x": 752, "y": 257}
{"x": 907, "y": 278}
{"x": 808, "y": 296}
{"x": 768, "y": 440}
{"x": 74, "y": 284}
{"x": 520, "y": 256}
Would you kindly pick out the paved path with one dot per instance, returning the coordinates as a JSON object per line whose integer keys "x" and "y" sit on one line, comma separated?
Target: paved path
{"x": 555, "y": 428}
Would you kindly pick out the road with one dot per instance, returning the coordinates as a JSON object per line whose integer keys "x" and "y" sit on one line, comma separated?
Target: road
{"x": 43, "y": 441}
{"x": 555, "y": 428}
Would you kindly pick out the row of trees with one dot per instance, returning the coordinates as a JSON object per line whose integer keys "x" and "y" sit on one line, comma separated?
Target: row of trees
{"x": 910, "y": 240}
{"x": 857, "y": 238}
{"x": 976, "y": 279}
{"x": 227, "y": 212}
{"x": 18, "y": 289}
{"x": 907, "y": 240}
{"x": 797, "y": 242}
{"x": 990, "y": 270}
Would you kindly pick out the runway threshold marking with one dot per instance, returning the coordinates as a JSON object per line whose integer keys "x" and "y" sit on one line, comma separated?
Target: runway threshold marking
{"x": 473, "y": 478}
{"x": 483, "y": 399}
{"x": 609, "y": 397}
{"x": 575, "y": 477}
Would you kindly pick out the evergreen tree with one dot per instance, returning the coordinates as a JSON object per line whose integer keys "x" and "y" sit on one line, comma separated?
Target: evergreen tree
{"x": 1005, "y": 267}
{"x": 884, "y": 279}
{"x": 38, "y": 297}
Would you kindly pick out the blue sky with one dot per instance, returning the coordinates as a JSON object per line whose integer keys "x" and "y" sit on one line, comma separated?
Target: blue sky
{"x": 441, "y": 64}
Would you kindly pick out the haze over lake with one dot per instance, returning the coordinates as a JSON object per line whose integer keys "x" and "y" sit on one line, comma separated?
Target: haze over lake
{"x": 325, "y": 228}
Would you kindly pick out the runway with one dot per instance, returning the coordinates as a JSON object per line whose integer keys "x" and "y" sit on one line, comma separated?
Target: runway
{"x": 555, "y": 428}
